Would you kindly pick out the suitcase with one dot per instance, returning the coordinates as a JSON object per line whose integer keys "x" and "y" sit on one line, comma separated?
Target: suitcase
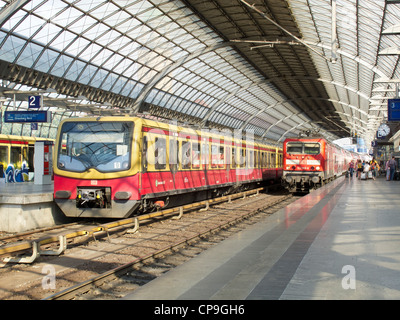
{"x": 369, "y": 174}
{"x": 363, "y": 176}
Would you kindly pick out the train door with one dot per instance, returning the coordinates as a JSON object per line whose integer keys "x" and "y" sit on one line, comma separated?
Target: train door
{"x": 205, "y": 159}
{"x": 327, "y": 160}
{"x": 234, "y": 165}
{"x": 227, "y": 162}
{"x": 330, "y": 162}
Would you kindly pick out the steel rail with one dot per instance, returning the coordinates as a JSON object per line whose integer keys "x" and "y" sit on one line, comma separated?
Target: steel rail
{"x": 23, "y": 246}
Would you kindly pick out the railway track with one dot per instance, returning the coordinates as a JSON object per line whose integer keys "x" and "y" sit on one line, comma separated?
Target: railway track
{"x": 29, "y": 241}
{"x": 128, "y": 255}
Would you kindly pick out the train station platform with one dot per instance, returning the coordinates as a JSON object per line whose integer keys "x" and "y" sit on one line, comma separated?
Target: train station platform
{"x": 26, "y": 206}
{"x": 341, "y": 241}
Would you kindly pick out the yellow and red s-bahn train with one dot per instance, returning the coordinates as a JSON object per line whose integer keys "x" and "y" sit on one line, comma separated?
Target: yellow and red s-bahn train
{"x": 310, "y": 162}
{"x": 16, "y": 156}
{"x": 120, "y": 166}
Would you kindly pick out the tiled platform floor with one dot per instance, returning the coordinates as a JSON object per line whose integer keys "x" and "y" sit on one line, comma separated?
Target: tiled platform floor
{"x": 339, "y": 242}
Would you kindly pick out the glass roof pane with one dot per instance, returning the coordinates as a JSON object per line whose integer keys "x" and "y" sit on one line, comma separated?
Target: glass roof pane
{"x": 112, "y": 45}
{"x": 66, "y": 17}
{"x": 47, "y": 33}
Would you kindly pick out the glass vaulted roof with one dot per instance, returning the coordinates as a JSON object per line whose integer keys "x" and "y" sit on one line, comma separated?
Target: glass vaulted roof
{"x": 191, "y": 61}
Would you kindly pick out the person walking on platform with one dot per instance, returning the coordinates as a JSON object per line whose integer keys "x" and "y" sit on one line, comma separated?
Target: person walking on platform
{"x": 366, "y": 169}
{"x": 351, "y": 168}
{"x": 387, "y": 168}
{"x": 392, "y": 166}
{"x": 359, "y": 169}
{"x": 373, "y": 166}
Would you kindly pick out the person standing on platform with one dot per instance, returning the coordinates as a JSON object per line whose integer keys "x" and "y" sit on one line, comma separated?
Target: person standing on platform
{"x": 392, "y": 166}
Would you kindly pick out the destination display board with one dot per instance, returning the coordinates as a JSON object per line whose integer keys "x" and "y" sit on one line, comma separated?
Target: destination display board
{"x": 27, "y": 116}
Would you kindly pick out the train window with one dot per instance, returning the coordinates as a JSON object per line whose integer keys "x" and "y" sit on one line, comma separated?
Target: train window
{"x": 185, "y": 154}
{"x": 144, "y": 155}
{"x": 262, "y": 159}
{"x": 256, "y": 162}
{"x": 250, "y": 162}
{"x": 221, "y": 157}
{"x": 217, "y": 156}
{"x": 228, "y": 156}
{"x": 25, "y": 154}
{"x": 160, "y": 154}
{"x": 195, "y": 155}
{"x": 266, "y": 160}
{"x": 205, "y": 152}
{"x": 16, "y": 156}
{"x": 4, "y": 156}
{"x": 104, "y": 146}
{"x": 294, "y": 147}
{"x": 303, "y": 148}
{"x": 242, "y": 160}
{"x": 31, "y": 152}
{"x": 273, "y": 160}
{"x": 233, "y": 162}
{"x": 311, "y": 148}
{"x": 173, "y": 155}
{"x": 214, "y": 156}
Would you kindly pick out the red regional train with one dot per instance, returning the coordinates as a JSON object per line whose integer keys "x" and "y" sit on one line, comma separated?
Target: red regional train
{"x": 115, "y": 167}
{"x": 309, "y": 163}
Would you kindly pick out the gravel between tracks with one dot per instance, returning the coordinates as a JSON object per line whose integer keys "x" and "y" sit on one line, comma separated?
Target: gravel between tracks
{"x": 79, "y": 263}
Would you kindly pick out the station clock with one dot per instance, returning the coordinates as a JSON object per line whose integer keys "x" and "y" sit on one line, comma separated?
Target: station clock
{"x": 383, "y": 131}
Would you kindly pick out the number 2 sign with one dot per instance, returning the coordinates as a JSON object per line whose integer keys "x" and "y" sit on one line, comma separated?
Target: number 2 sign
{"x": 34, "y": 102}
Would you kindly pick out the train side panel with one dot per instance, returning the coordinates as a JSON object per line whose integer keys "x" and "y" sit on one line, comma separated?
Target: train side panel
{"x": 94, "y": 177}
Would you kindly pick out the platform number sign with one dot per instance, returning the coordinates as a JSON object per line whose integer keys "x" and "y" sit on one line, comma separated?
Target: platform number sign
{"x": 34, "y": 102}
{"x": 394, "y": 110}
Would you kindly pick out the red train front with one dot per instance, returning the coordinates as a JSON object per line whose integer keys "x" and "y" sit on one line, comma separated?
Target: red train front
{"x": 308, "y": 163}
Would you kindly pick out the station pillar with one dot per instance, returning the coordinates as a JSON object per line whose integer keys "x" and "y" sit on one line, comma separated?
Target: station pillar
{"x": 43, "y": 162}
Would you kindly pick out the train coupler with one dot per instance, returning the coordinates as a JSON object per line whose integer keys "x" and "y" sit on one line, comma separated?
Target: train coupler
{"x": 93, "y": 198}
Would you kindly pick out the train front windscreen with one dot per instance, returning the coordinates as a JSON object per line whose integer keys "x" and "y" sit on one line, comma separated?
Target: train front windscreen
{"x": 296, "y": 147}
{"x": 104, "y": 146}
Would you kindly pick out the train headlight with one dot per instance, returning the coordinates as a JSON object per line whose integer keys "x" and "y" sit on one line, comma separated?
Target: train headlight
{"x": 289, "y": 179}
{"x": 317, "y": 168}
{"x": 63, "y": 194}
{"x": 315, "y": 179}
{"x": 122, "y": 195}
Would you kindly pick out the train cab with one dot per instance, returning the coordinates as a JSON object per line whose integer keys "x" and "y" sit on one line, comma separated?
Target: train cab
{"x": 311, "y": 162}
{"x": 304, "y": 163}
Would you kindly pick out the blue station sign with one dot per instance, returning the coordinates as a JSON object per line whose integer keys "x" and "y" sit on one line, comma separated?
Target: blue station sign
{"x": 27, "y": 116}
{"x": 394, "y": 110}
{"x": 34, "y": 102}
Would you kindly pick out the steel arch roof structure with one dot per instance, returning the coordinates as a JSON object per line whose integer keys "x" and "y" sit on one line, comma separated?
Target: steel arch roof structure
{"x": 272, "y": 67}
